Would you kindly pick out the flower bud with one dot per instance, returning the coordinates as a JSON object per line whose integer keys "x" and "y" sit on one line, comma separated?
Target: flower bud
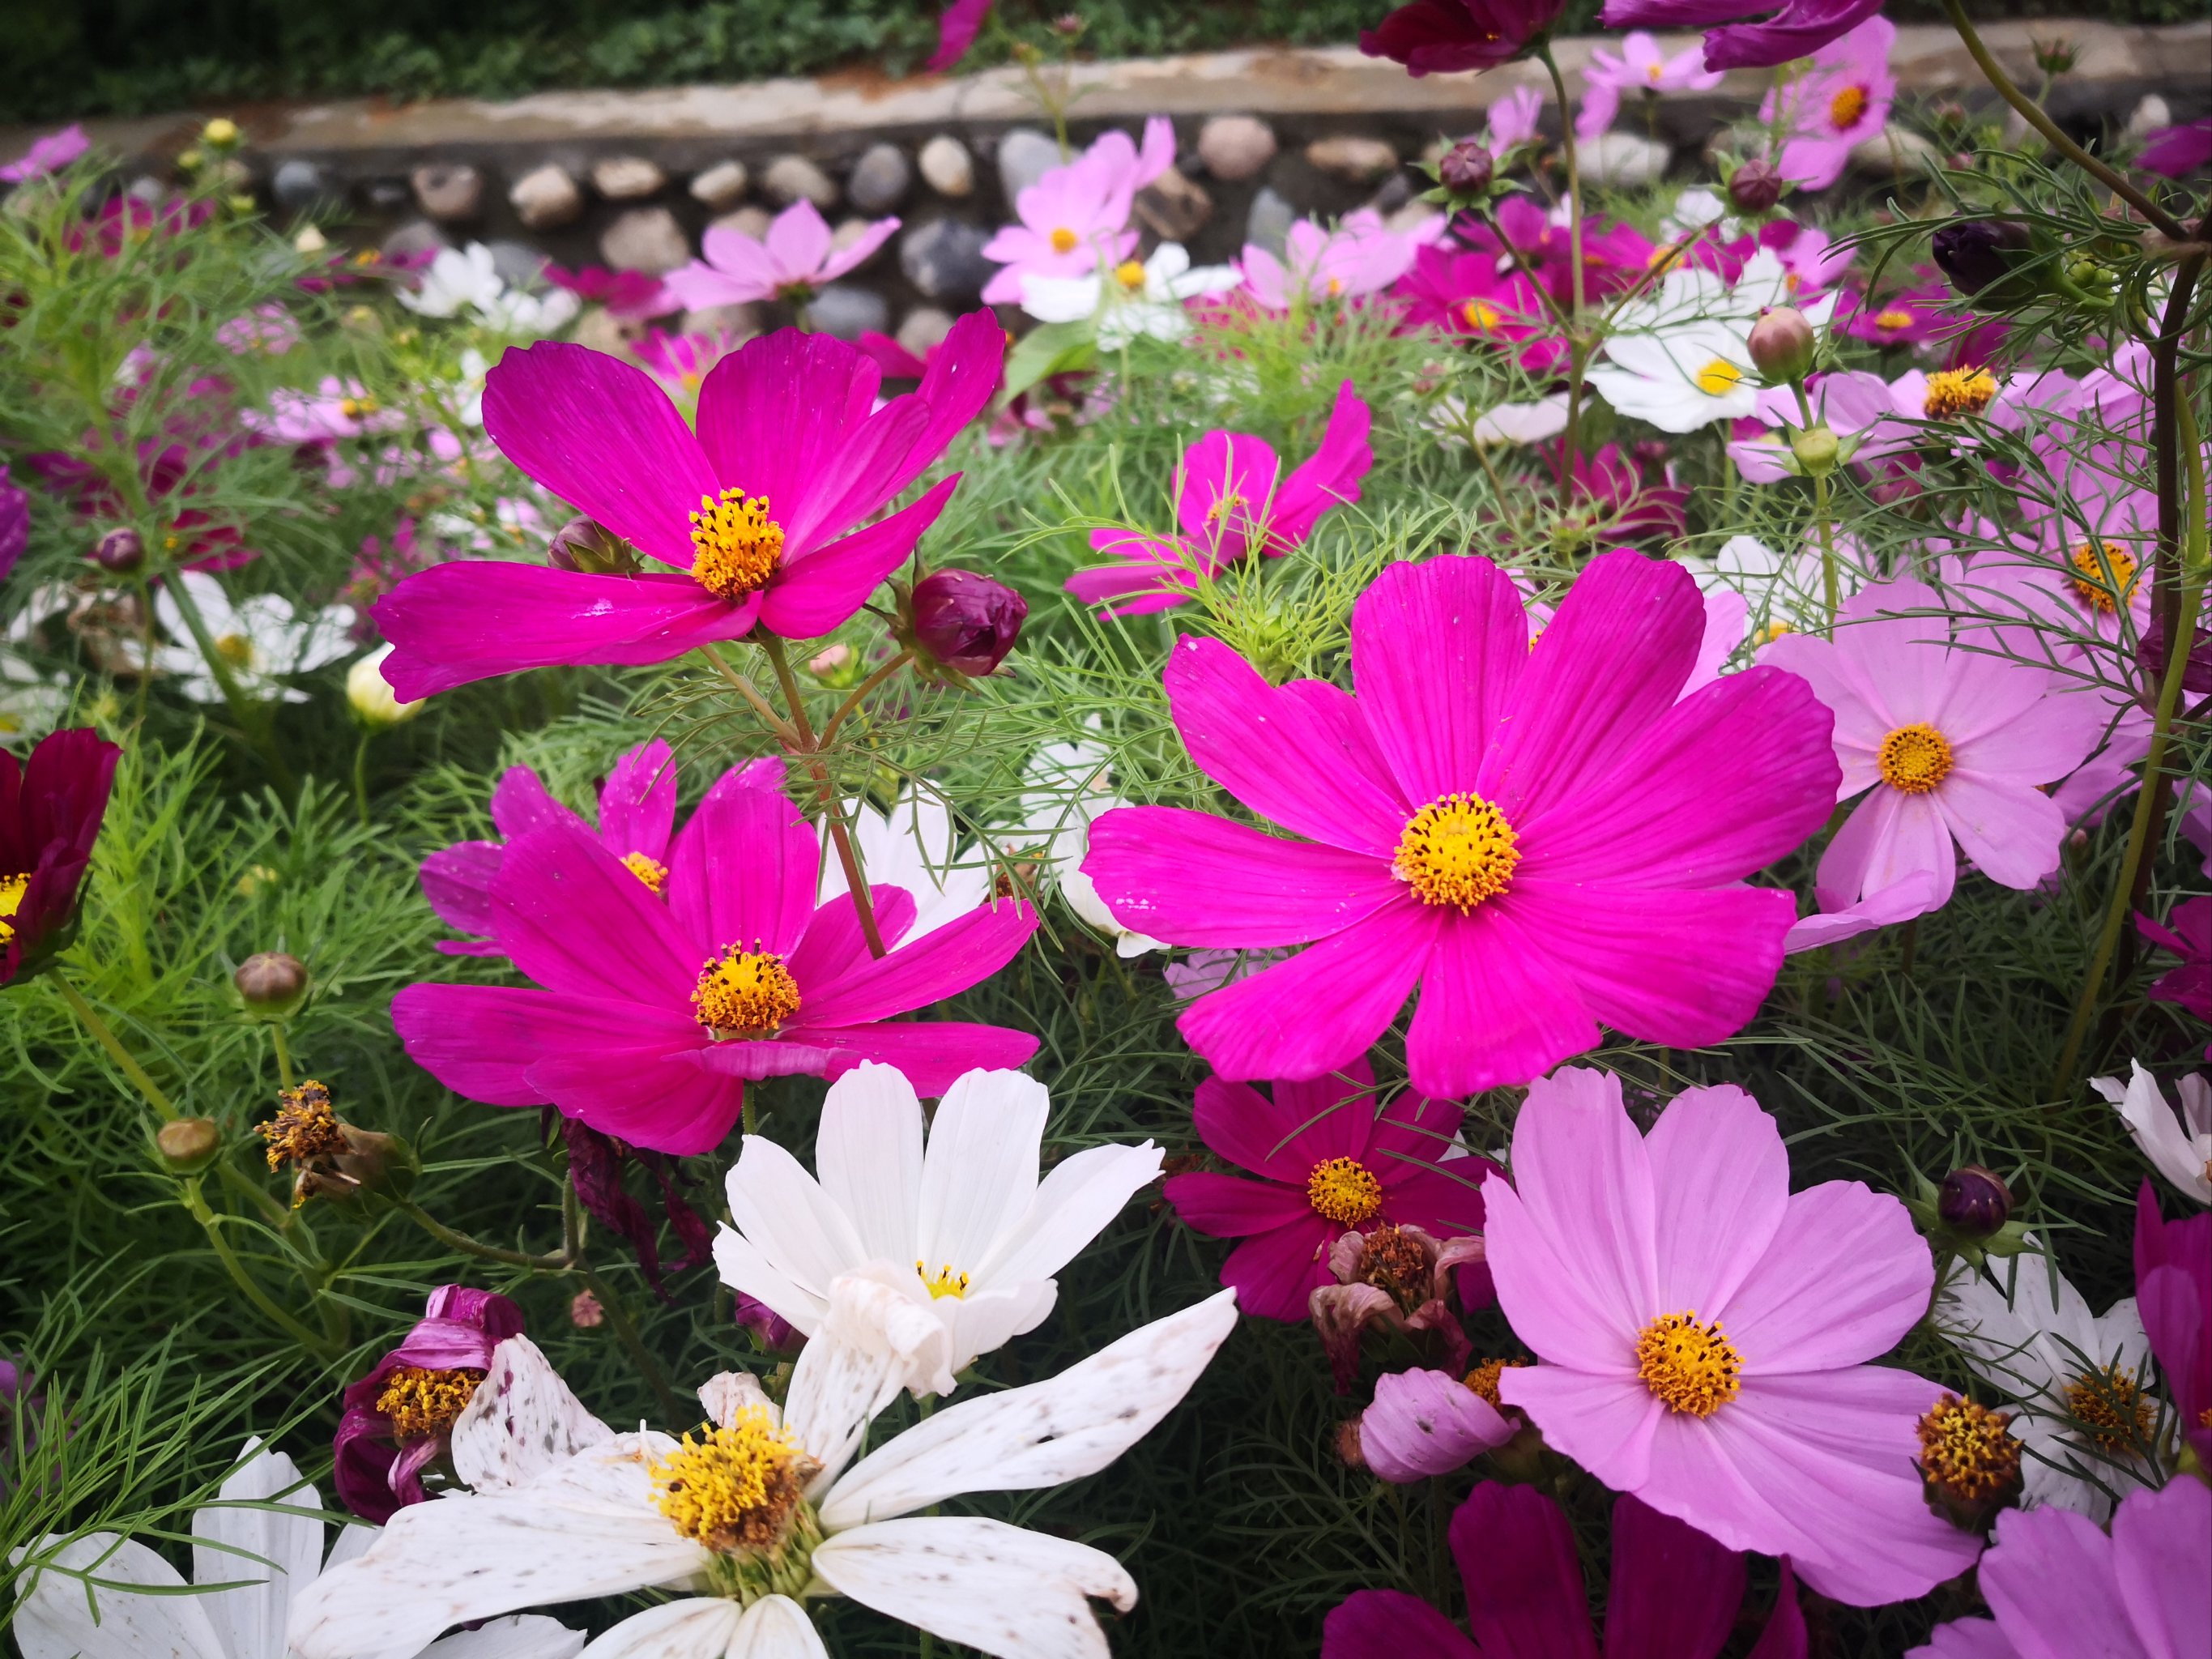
{"x": 221, "y": 133}
{"x": 584, "y": 1311}
{"x": 121, "y": 550}
{"x": 1755, "y": 187}
{"x": 1979, "y": 252}
{"x": 271, "y": 982}
{"x": 1974, "y": 1201}
{"x": 581, "y": 544}
{"x": 1816, "y": 450}
{"x": 831, "y": 661}
{"x": 1466, "y": 168}
{"x": 964, "y": 622}
{"x": 189, "y": 1145}
{"x": 1782, "y": 344}
{"x": 2053, "y": 57}
{"x": 370, "y": 696}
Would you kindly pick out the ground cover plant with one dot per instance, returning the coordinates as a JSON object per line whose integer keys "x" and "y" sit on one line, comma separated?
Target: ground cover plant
{"x": 1487, "y": 928}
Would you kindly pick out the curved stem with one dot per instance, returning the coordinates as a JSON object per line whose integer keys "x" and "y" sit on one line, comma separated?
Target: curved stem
{"x": 467, "y": 1246}
{"x": 149, "y": 1091}
{"x": 808, "y": 748}
{"x": 212, "y": 1224}
{"x": 852, "y": 704}
{"x": 744, "y": 687}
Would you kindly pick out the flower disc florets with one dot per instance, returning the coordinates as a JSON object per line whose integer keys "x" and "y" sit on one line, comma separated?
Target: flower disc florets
{"x": 419, "y": 1402}
{"x": 740, "y": 1491}
{"x": 647, "y": 869}
{"x": 1458, "y": 850}
{"x": 736, "y": 546}
{"x": 1970, "y": 1459}
{"x": 1483, "y": 1380}
{"x": 2097, "y": 589}
{"x": 1915, "y": 758}
{"x": 1692, "y": 1367}
{"x": 744, "y": 993}
{"x": 1954, "y": 392}
{"x": 2113, "y": 1404}
{"x": 1345, "y": 1190}
{"x": 305, "y": 1128}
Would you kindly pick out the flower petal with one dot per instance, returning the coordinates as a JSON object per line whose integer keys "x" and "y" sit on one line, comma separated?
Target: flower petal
{"x": 1524, "y": 1583}
{"x": 868, "y": 1155}
{"x": 637, "y": 805}
{"x": 521, "y": 1422}
{"x": 698, "y": 1627}
{"x": 742, "y": 875}
{"x": 1192, "y": 878}
{"x": 2158, "y": 1557}
{"x": 2011, "y": 830}
{"x": 1436, "y": 651}
{"x": 1497, "y": 1007}
{"x": 1675, "y": 1592}
{"x": 1075, "y": 1202}
{"x": 797, "y": 1228}
{"x": 1423, "y": 1423}
{"x": 277, "y": 1553}
{"x": 1391, "y": 1625}
{"x": 1228, "y": 1206}
{"x": 980, "y": 1170}
{"x": 574, "y": 919}
{"x": 931, "y": 1053}
{"x": 776, "y": 417}
{"x": 964, "y": 952}
{"x": 1605, "y": 1423}
{"x": 1720, "y": 1180}
{"x": 1843, "y": 1278}
{"x": 1275, "y": 1273}
{"x": 818, "y": 594}
{"x": 54, "y": 1619}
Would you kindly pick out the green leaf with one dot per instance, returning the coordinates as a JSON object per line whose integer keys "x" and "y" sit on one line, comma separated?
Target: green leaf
{"x": 1053, "y": 348}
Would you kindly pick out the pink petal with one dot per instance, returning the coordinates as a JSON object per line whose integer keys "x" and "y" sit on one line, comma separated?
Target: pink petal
{"x": 2039, "y": 745}
{"x": 1328, "y": 478}
{"x": 834, "y": 945}
{"x": 2011, "y": 832}
{"x": 779, "y": 413}
{"x": 637, "y": 805}
{"x": 2159, "y": 1555}
{"x": 1497, "y": 1007}
{"x": 1675, "y": 1592}
{"x": 816, "y": 595}
{"x": 744, "y": 874}
{"x": 573, "y": 917}
{"x": 1899, "y": 902}
{"x": 1524, "y": 1580}
{"x": 520, "y": 802}
{"x": 1889, "y": 838}
{"x": 602, "y": 436}
{"x": 1964, "y": 1639}
{"x": 1728, "y": 619}
{"x": 854, "y": 478}
{"x": 1784, "y": 1635}
{"x": 1436, "y": 651}
{"x": 1305, "y": 1121}
{"x": 1275, "y": 1273}
{"x": 480, "y": 1040}
{"x": 1423, "y": 1423}
{"x": 1226, "y": 1207}
{"x": 456, "y": 881}
{"x": 1444, "y": 1199}
{"x": 1606, "y": 1423}
{"x": 941, "y": 963}
{"x": 1391, "y": 1625}
{"x": 1225, "y": 481}
{"x": 798, "y": 241}
{"x": 1843, "y": 1278}
{"x": 650, "y": 1094}
{"x": 1908, "y": 657}
{"x": 740, "y": 262}
{"x": 857, "y": 251}
{"x": 1841, "y": 681}
{"x": 2051, "y": 1582}
{"x": 963, "y": 375}
{"x": 1721, "y": 1181}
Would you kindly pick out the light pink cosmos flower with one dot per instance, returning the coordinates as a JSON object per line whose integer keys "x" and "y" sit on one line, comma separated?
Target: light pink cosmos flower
{"x": 1843, "y": 100}
{"x": 794, "y": 262}
{"x": 267, "y": 328}
{"x": 756, "y": 513}
{"x": 2062, "y": 1588}
{"x": 334, "y": 409}
{"x": 1513, "y": 118}
{"x": 1232, "y": 501}
{"x": 1538, "y": 838}
{"x": 1949, "y": 745}
{"x": 1705, "y": 1333}
{"x": 1075, "y": 218}
{"x": 1361, "y": 256}
{"x": 49, "y": 153}
{"x": 1641, "y": 67}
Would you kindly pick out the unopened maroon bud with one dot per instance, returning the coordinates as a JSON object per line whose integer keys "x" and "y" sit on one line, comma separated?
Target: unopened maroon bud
{"x": 271, "y": 982}
{"x": 1755, "y": 187}
{"x": 1466, "y": 169}
{"x": 189, "y": 1144}
{"x": 582, "y": 544}
{"x": 121, "y": 550}
{"x": 1782, "y": 344}
{"x": 1974, "y": 1201}
{"x": 967, "y": 622}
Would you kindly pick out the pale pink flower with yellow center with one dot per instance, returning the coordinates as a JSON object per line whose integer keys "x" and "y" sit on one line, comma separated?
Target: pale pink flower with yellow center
{"x": 796, "y": 259}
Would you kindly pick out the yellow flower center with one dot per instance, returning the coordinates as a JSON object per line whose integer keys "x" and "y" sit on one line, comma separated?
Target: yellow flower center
{"x": 744, "y": 993}
{"x": 2113, "y": 1404}
{"x": 1480, "y": 315}
{"x": 1718, "y": 377}
{"x": 2096, "y": 588}
{"x": 1336, "y": 285}
{"x": 1653, "y": 72}
{"x": 1344, "y": 1190}
{"x": 944, "y": 1283}
{"x": 1064, "y": 240}
{"x": 1845, "y": 108}
{"x": 1483, "y": 1380}
{"x": 235, "y": 649}
{"x": 1663, "y": 257}
{"x": 354, "y": 408}
{"x": 650, "y": 870}
{"x": 1767, "y": 633}
{"x": 1691, "y": 1367}
{"x": 11, "y": 900}
{"x": 1967, "y": 1449}
{"x": 1458, "y": 850}
{"x": 736, "y": 546}
{"x": 738, "y": 1487}
{"x": 1915, "y": 758}
{"x": 1955, "y": 392}
{"x": 1130, "y": 275}
{"x": 1892, "y": 320}
{"x": 420, "y": 1403}
{"x": 305, "y": 1127}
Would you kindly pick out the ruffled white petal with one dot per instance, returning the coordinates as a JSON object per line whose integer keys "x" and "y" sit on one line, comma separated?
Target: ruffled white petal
{"x": 521, "y": 1421}
{"x": 882, "y": 1334}
{"x": 1072, "y": 1205}
{"x": 278, "y": 1553}
{"x": 55, "y": 1617}
{"x": 530, "y": 1636}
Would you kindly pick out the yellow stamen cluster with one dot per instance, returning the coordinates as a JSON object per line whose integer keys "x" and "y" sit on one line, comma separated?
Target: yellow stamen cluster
{"x": 736, "y": 546}
{"x": 744, "y": 993}
{"x": 2092, "y": 584}
{"x": 419, "y": 1402}
{"x": 1718, "y": 377}
{"x": 234, "y": 648}
{"x": 1967, "y": 1451}
{"x": 1063, "y": 240}
{"x": 1692, "y": 1367}
{"x": 1846, "y": 108}
{"x": 944, "y": 1283}
{"x": 1952, "y": 392}
{"x": 1458, "y": 850}
{"x": 305, "y": 1128}
{"x": 2112, "y": 1403}
{"x": 1893, "y": 320}
{"x": 1479, "y": 315}
{"x": 354, "y": 408}
{"x": 1483, "y": 1380}
{"x": 737, "y": 1487}
{"x": 1130, "y": 275}
{"x": 1915, "y": 758}
{"x": 1344, "y": 1190}
{"x": 650, "y": 870}
{"x": 12, "y": 889}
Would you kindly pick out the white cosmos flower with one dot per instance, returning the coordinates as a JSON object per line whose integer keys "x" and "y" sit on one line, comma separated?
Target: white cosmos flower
{"x": 32, "y": 703}
{"x": 916, "y": 846}
{"x": 2028, "y": 1333}
{"x": 260, "y": 639}
{"x": 1506, "y": 424}
{"x": 2180, "y": 1147}
{"x": 1065, "y": 788}
{"x": 458, "y": 280}
{"x": 1131, "y": 299}
{"x": 956, "y": 1242}
{"x": 767, "y": 1512}
{"x": 269, "y": 1558}
{"x": 1783, "y": 593}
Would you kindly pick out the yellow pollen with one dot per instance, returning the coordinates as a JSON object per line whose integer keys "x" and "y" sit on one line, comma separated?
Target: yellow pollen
{"x": 12, "y": 889}
{"x": 1652, "y": 72}
{"x": 1892, "y": 320}
{"x": 354, "y": 408}
{"x": 305, "y": 1128}
{"x": 689, "y": 379}
{"x": 737, "y": 1487}
{"x": 1793, "y": 282}
{"x": 2112, "y": 1403}
{"x": 1336, "y": 285}
{"x": 1718, "y": 377}
{"x": 1955, "y": 392}
{"x": 1063, "y": 240}
{"x": 1458, "y": 850}
{"x": 1483, "y": 1380}
{"x": 1691, "y": 1367}
{"x": 650, "y": 870}
{"x": 1915, "y": 758}
{"x": 420, "y": 1403}
{"x": 1130, "y": 275}
{"x": 1480, "y": 315}
{"x": 945, "y": 1282}
{"x": 1845, "y": 108}
{"x": 1770, "y": 632}
{"x": 744, "y": 993}
{"x": 1344, "y": 1190}
{"x": 1662, "y": 257}
{"x": 235, "y": 648}
{"x": 736, "y": 545}
{"x": 2092, "y": 584}
{"x": 1967, "y": 1449}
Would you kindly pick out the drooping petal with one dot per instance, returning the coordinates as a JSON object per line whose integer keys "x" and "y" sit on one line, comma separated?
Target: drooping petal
{"x": 1328, "y": 478}
{"x": 1437, "y": 650}
{"x": 1423, "y": 1423}
{"x": 1524, "y": 1583}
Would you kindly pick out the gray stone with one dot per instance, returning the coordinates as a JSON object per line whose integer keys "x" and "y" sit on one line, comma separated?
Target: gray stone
{"x": 1173, "y": 207}
{"x": 924, "y": 326}
{"x": 721, "y": 185}
{"x": 1348, "y": 155}
{"x": 387, "y": 195}
{"x": 1397, "y": 191}
{"x": 546, "y": 197}
{"x": 518, "y": 265}
{"x": 745, "y": 222}
{"x": 645, "y": 239}
{"x": 946, "y": 164}
{"x": 148, "y": 189}
{"x": 298, "y": 186}
{"x": 2150, "y": 113}
{"x": 1268, "y": 224}
{"x": 743, "y": 321}
{"x": 1235, "y": 147}
{"x": 416, "y": 236}
{"x": 944, "y": 259}
{"x": 849, "y": 231}
{"x": 791, "y": 179}
{"x": 848, "y": 311}
{"x": 1623, "y": 160}
{"x": 597, "y": 332}
{"x": 879, "y": 178}
{"x": 1025, "y": 155}
{"x": 1895, "y": 152}
{"x": 449, "y": 191}
{"x": 628, "y": 178}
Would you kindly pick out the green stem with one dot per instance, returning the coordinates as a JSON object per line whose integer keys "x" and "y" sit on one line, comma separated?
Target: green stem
{"x": 1829, "y": 594}
{"x": 283, "y": 1053}
{"x": 467, "y": 1246}
{"x": 852, "y": 703}
{"x": 313, "y": 1341}
{"x": 1577, "y": 361}
{"x": 808, "y": 748}
{"x": 361, "y": 779}
{"x": 147, "y": 1089}
{"x": 744, "y": 688}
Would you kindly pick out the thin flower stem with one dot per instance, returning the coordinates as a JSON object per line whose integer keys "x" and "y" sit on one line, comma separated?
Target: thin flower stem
{"x": 315, "y": 1342}
{"x": 149, "y": 1091}
{"x": 743, "y": 687}
{"x": 1576, "y": 357}
{"x": 283, "y": 1053}
{"x": 360, "y": 780}
{"x": 467, "y": 1246}
{"x": 852, "y": 704}
{"x": 1823, "y": 510}
{"x": 809, "y": 749}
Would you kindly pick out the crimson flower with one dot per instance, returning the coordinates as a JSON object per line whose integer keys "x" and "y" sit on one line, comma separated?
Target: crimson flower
{"x": 49, "y": 811}
{"x": 1443, "y": 37}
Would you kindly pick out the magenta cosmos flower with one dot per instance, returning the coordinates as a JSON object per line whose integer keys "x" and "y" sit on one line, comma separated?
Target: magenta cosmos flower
{"x": 51, "y": 809}
{"x": 1443, "y": 37}
{"x": 2178, "y": 151}
{"x": 1703, "y": 1332}
{"x": 2173, "y": 1293}
{"x": 2189, "y": 936}
{"x": 1796, "y": 29}
{"x": 656, "y": 1011}
{"x": 1949, "y": 745}
{"x": 753, "y": 513}
{"x": 1328, "y": 1163}
{"x": 794, "y": 262}
{"x": 2062, "y": 1588}
{"x": 1467, "y": 294}
{"x": 1073, "y": 221}
{"x": 1232, "y": 501}
{"x": 398, "y": 1420}
{"x": 1675, "y": 1593}
{"x": 1540, "y": 838}
{"x": 956, "y": 27}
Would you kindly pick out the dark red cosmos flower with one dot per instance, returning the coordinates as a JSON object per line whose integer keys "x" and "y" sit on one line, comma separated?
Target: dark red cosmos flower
{"x": 49, "y": 811}
{"x": 1442, "y": 37}
{"x": 399, "y": 1418}
{"x": 627, "y": 294}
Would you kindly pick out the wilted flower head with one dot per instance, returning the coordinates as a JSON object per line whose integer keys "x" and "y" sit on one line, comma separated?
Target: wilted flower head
{"x": 329, "y": 1158}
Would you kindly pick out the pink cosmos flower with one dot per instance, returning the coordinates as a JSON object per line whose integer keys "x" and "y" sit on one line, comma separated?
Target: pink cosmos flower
{"x": 1327, "y": 1160}
{"x": 1851, "y": 401}
{"x": 792, "y": 263}
{"x": 2062, "y": 1589}
{"x": 1950, "y": 745}
{"x": 956, "y": 27}
{"x": 1641, "y": 67}
{"x": 1513, "y": 118}
{"x": 49, "y": 153}
{"x": 1797, "y": 29}
{"x": 1909, "y": 316}
{"x": 2176, "y": 152}
{"x": 681, "y": 362}
{"x": 1423, "y": 1423}
{"x": 335, "y": 409}
{"x": 1361, "y": 256}
{"x": 1538, "y": 838}
{"x": 626, "y": 294}
{"x": 269, "y": 330}
{"x": 2173, "y": 1293}
{"x": 1230, "y": 505}
{"x": 1675, "y": 1593}
{"x": 658, "y": 1010}
{"x": 753, "y": 512}
{"x": 1705, "y": 1333}
{"x": 2188, "y": 936}
{"x": 1467, "y": 294}
{"x": 15, "y": 521}
{"x": 1074, "y": 218}
{"x": 1615, "y": 256}
{"x": 1810, "y": 258}
{"x": 1845, "y": 99}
